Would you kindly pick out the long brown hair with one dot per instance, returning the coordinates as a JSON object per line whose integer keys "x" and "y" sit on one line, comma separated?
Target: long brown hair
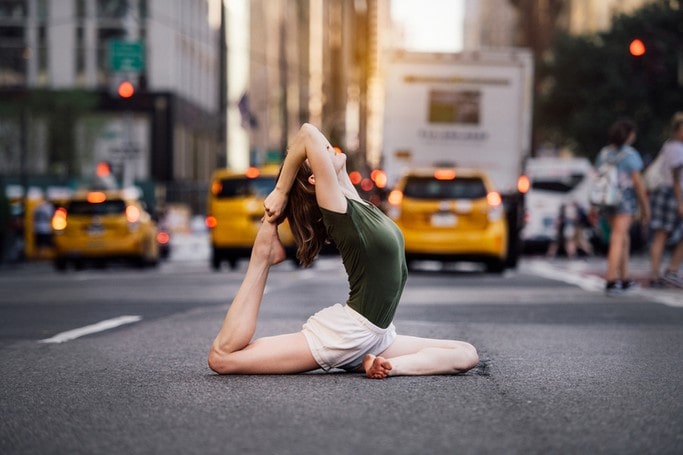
{"x": 305, "y": 218}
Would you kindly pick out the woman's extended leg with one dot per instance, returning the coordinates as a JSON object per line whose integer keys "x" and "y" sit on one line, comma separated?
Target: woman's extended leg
{"x": 231, "y": 351}
{"x": 411, "y": 356}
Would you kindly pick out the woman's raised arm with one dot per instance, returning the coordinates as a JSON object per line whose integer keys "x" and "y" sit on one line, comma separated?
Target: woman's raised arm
{"x": 308, "y": 144}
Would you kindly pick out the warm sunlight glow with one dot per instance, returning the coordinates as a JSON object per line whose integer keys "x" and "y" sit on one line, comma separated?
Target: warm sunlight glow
{"x": 434, "y": 26}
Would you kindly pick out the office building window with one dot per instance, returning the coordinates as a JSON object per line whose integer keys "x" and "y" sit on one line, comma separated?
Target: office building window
{"x": 13, "y": 55}
{"x": 12, "y": 9}
{"x": 112, "y": 9}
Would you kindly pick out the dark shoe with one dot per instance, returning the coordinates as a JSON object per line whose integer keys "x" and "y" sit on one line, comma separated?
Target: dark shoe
{"x": 613, "y": 288}
{"x": 673, "y": 279}
{"x": 630, "y": 286}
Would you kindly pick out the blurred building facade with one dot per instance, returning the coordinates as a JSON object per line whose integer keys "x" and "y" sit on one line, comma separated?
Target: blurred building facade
{"x": 315, "y": 61}
{"x": 61, "y": 62}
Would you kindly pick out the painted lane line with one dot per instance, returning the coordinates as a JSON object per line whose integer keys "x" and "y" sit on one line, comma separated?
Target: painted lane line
{"x": 90, "y": 329}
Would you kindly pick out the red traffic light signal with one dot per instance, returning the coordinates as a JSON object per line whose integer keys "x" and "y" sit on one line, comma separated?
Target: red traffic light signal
{"x": 637, "y": 48}
{"x": 103, "y": 169}
{"x": 126, "y": 89}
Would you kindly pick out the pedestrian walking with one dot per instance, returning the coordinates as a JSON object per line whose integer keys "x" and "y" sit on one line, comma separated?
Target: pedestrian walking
{"x": 628, "y": 165}
{"x": 667, "y": 211}
{"x": 42, "y": 227}
{"x": 315, "y": 194}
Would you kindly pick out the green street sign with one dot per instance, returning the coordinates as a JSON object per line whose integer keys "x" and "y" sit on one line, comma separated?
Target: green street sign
{"x": 126, "y": 56}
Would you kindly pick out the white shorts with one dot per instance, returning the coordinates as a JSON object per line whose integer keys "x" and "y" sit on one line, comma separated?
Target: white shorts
{"x": 339, "y": 337}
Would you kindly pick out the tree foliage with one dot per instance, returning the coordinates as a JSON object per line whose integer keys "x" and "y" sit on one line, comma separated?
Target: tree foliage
{"x": 589, "y": 81}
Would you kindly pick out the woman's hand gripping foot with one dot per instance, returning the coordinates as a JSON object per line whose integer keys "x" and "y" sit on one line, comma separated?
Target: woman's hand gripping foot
{"x": 267, "y": 244}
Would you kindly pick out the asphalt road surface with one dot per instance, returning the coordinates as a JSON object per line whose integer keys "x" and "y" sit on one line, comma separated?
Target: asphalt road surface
{"x": 114, "y": 361}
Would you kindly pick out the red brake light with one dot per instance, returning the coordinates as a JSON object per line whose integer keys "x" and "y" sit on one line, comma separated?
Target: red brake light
{"x": 163, "y": 238}
{"x": 355, "y": 177}
{"x": 211, "y": 222}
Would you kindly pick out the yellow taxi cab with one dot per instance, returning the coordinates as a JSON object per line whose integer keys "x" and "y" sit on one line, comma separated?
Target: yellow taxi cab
{"x": 104, "y": 225}
{"x": 234, "y": 212}
{"x": 450, "y": 214}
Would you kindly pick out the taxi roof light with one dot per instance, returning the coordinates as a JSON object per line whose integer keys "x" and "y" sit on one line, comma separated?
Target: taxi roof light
{"x": 96, "y": 197}
{"x": 252, "y": 172}
{"x": 444, "y": 174}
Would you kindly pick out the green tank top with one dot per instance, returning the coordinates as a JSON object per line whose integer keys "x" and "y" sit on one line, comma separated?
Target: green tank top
{"x": 372, "y": 250}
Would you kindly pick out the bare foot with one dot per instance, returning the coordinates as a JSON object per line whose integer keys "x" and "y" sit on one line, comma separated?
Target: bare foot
{"x": 267, "y": 244}
{"x": 376, "y": 367}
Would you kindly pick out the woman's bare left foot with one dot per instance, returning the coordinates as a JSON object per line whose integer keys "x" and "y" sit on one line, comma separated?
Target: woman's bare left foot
{"x": 267, "y": 244}
{"x": 376, "y": 367}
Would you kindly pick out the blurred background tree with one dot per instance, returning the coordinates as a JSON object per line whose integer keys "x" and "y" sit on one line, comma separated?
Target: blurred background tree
{"x": 586, "y": 82}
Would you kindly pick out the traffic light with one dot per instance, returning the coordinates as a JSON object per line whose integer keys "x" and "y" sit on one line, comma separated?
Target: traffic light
{"x": 103, "y": 169}
{"x": 637, "y": 48}
{"x": 126, "y": 89}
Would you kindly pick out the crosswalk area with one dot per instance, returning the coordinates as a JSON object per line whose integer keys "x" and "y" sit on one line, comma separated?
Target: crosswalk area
{"x": 589, "y": 274}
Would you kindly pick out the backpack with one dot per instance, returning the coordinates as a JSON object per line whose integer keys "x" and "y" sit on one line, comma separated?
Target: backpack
{"x": 654, "y": 174}
{"x": 605, "y": 190}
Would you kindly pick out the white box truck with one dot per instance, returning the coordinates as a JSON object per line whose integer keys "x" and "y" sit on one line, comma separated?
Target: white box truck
{"x": 470, "y": 109}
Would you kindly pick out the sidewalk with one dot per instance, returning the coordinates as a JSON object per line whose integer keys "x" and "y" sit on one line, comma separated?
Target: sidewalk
{"x": 589, "y": 274}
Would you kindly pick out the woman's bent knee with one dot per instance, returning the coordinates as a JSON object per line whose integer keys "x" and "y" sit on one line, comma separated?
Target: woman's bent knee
{"x": 219, "y": 361}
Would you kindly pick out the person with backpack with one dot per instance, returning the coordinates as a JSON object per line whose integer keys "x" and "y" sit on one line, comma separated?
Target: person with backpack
{"x": 622, "y": 196}
{"x": 667, "y": 211}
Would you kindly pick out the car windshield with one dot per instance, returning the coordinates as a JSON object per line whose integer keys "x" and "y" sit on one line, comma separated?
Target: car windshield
{"x": 564, "y": 185}
{"x": 109, "y": 207}
{"x": 243, "y": 187}
{"x": 458, "y": 188}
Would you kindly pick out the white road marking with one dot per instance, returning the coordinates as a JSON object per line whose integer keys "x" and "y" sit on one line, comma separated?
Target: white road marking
{"x": 90, "y": 329}
{"x": 592, "y": 283}
{"x": 585, "y": 282}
